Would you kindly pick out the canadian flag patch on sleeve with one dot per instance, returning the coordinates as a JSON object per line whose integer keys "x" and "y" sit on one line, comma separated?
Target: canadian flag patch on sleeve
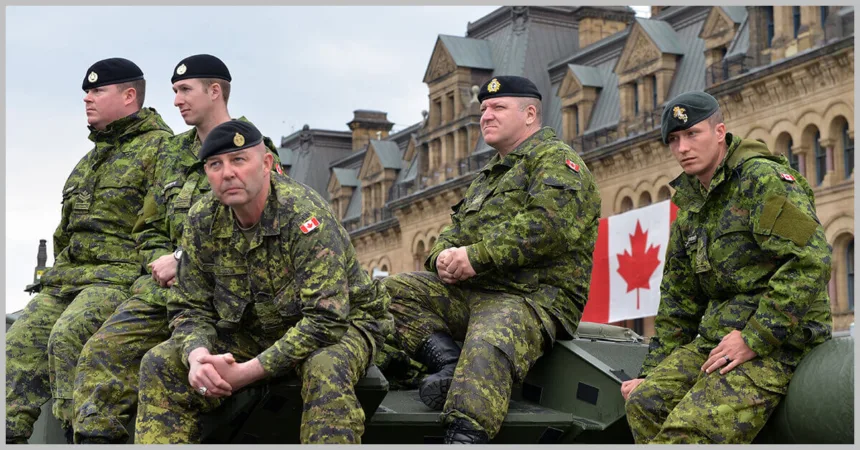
{"x": 310, "y": 225}
{"x": 787, "y": 177}
{"x": 573, "y": 166}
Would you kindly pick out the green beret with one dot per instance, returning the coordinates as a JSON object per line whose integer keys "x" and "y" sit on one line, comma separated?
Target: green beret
{"x": 200, "y": 66}
{"x": 686, "y": 110}
{"x": 229, "y": 137}
{"x": 508, "y": 86}
{"x": 111, "y": 71}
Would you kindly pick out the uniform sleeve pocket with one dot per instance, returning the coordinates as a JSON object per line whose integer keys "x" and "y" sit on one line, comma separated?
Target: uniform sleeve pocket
{"x": 782, "y": 218}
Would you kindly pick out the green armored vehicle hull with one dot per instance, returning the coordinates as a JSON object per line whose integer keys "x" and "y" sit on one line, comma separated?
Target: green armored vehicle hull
{"x": 572, "y": 395}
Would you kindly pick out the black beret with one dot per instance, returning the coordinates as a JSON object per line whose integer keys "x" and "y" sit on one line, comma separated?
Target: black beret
{"x": 508, "y": 86}
{"x": 229, "y": 137}
{"x": 200, "y": 66}
{"x": 686, "y": 110}
{"x": 111, "y": 71}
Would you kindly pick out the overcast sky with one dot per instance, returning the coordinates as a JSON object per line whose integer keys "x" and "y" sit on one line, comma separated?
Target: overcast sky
{"x": 291, "y": 66}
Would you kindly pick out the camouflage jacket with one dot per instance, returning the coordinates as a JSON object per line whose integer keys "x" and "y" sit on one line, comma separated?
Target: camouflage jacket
{"x": 179, "y": 182}
{"x": 296, "y": 287}
{"x": 748, "y": 253}
{"x": 529, "y": 223}
{"x": 102, "y": 198}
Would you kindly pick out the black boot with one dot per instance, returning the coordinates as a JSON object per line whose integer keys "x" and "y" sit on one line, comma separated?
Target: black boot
{"x": 440, "y": 353}
{"x": 461, "y": 431}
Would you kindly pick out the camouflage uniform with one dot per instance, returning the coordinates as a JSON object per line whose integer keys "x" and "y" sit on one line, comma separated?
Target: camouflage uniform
{"x": 529, "y": 223}
{"x": 747, "y": 254}
{"x": 95, "y": 263}
{"x": 295, "y": 301}
{"x": 107, "y": 376}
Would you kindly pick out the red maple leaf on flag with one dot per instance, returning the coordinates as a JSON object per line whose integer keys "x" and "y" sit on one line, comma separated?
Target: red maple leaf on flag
{"x": 637, "y": 266}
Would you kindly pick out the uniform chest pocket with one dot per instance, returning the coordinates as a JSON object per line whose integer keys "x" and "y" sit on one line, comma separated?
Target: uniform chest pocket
{"x": 122, "y": 198}
{"x": 733, "y": 249}
{"x": 288, "y": 304}
{"x": 232, "y": 295}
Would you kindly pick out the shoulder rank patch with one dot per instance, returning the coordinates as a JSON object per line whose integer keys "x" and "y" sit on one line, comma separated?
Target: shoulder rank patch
{"x": 787, "y": 177}
{"x": 573, "y": 166}
{"x": 310, "y": 225}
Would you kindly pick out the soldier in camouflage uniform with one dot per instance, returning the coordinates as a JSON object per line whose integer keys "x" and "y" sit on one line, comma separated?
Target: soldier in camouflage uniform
{"x": 747, "y": 268}
{"x": 107, "y": 377}
{"x": 95, "y": 261}
{"x": 511, "y": 271}
{"x": 267, "y": 276}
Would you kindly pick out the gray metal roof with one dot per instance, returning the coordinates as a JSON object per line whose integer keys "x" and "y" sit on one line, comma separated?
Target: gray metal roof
{"x": 690, "y": 72}
{"x": 468, "y": 52}
{"x": 309, "y": 167}
{"x": 588, "y": 76}
{"x": 286, "y": 156}
{"x": 738, "y": 14}
{"x": 346, "y": 177}
{"x": 388, "y": 153}
{"x": 410, "y": 173}
{"x": 663, "y": 35}
{"x": 741, "y": 42}
{"x": 606, "y": 112}
{"x": 353, "y": 210}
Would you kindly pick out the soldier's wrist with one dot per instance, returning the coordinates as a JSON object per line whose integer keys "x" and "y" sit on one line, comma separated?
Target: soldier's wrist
{"x": 479, "y": 257}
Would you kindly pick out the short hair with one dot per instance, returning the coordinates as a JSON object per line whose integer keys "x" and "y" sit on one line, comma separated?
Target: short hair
{"x": 525, "y": 102}
{"x": 225, "y": 86}
{"x": 716, "y": 118}
{"x": 139, "y": 87}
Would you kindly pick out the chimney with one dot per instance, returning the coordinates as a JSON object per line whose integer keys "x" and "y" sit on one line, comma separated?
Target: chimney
{"x": 596, "y": 23}
{"x": 367, "y": 125}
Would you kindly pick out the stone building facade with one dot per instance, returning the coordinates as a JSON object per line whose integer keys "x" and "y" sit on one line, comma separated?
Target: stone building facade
{"x": 782, "y": 74}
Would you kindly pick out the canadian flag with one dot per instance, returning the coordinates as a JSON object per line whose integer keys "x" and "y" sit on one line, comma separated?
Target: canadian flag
{"x": 628, "y": 264}
{"x": 310, "y": 225}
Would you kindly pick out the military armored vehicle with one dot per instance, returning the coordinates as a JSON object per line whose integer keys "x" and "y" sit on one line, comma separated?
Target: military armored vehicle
{"x": 572, "y": 395}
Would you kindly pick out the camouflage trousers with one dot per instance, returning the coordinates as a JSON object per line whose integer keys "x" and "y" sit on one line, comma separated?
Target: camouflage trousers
{"x": 503, "y": 335}
{"x": 170, "y": 410}
{"x": 42, "y": 349}
{"x": 678, "y": 403}
{"x": 107, "y": 378}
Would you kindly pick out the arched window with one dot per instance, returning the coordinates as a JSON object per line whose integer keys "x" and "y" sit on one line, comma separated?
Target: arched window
{"x": 848, "y": 149}
{"x": 820, "y": 158}
{"x": 626, "y": 204}
{"x": 664, "y": 194}
{"x": 644, "y": 199}
{"x": 792, "y": 158}
{"x": 849, "y": 271}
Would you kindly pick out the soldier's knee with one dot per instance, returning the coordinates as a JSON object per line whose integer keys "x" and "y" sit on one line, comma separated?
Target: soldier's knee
{"x": 157, "y": 363}
{"x": 323, "y": 366}
{"x": 396, "y": 284}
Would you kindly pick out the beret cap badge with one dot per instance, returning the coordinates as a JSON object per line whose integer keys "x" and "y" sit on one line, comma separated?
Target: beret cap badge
{"x": 239, "y": 140}
{"x": 93, "y": 77}
{"x": 494, "y": 86}
{"x": 679, "y": 113}
{"x": 181, "y": 69}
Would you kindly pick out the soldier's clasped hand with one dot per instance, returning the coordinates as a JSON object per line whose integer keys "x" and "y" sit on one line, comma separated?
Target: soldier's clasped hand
{"x": 731, "y": 352}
